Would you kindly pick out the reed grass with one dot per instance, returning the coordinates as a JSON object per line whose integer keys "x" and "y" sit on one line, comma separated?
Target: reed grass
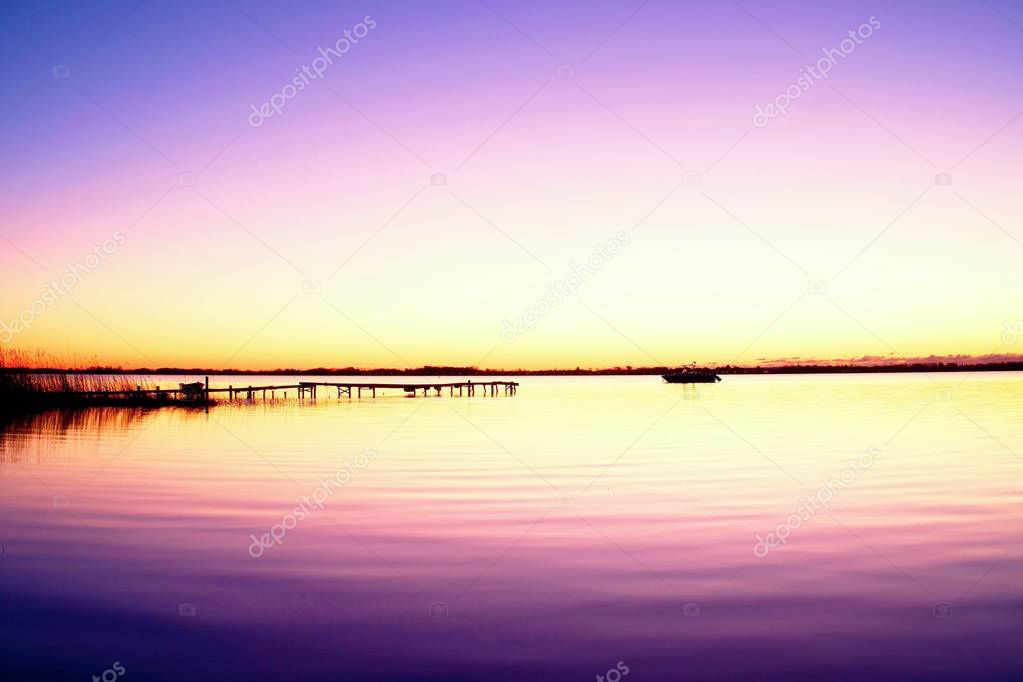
{"x": 26, "y": 384}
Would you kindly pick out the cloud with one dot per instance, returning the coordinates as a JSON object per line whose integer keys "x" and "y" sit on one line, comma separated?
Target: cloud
{"x": 886, "y": 360}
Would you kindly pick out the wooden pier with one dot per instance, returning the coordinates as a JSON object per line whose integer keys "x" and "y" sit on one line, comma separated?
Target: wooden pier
{"x": 310, "y": 388}
{"x": 201, "y": 392}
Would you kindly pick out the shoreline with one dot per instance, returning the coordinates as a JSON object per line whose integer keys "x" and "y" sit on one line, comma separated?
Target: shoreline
{"x": 473, "y": 371}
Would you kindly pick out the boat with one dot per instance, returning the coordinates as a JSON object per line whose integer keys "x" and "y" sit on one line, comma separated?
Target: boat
{"x": 691, "y": 375}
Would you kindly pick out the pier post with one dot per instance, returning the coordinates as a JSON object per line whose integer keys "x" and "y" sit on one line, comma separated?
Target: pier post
{"x": 207, "y": 391}
{"x": 230, "y": 392}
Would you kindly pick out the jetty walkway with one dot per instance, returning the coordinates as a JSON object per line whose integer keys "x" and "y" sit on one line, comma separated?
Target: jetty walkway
{"x": 201, "y": 391}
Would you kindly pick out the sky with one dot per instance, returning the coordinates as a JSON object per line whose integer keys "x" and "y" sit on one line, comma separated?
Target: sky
{"x": 509, "y": 184}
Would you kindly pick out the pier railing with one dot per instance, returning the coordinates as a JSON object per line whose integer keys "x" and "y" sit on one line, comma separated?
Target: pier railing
{"x": 201, "y": 391}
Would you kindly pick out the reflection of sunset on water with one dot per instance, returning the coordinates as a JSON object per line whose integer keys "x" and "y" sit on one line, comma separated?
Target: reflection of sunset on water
{"x": 575, "y": 518}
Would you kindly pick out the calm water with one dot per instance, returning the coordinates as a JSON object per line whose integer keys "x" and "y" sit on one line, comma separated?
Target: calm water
{"x": 546, "y": 536}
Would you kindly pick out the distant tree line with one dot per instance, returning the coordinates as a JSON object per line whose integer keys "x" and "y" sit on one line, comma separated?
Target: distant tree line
{"x": 430, "y": 370}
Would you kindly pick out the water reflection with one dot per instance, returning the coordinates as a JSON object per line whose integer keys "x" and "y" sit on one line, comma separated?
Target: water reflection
{"x": 548, "y": 535}
{"x": 40, "y": 430}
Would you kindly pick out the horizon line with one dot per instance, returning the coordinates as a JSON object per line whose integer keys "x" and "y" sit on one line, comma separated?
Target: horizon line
{"x": 784, "y": 366}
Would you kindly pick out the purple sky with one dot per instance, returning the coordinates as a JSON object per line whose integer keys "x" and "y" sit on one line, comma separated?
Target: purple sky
{"x": 654, "y": 123}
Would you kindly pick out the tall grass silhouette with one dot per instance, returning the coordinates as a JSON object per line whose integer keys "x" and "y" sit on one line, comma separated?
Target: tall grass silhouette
{"x": 28, "y": 382}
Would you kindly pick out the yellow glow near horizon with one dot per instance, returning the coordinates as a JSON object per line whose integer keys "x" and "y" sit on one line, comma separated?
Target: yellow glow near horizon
{"x": 817, "y": 236}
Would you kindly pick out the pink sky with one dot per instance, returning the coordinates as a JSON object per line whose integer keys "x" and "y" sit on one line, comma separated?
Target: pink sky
{"x": 337, "y": 188}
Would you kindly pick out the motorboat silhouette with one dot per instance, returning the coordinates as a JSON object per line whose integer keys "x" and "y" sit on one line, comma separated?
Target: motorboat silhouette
{"x": 691, "y": 375}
